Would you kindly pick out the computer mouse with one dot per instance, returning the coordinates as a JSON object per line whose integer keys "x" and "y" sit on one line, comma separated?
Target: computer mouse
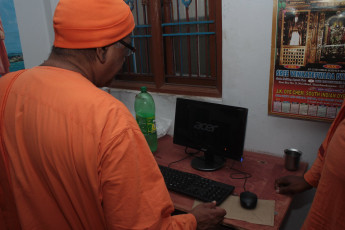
{"x": 248, "y": 200}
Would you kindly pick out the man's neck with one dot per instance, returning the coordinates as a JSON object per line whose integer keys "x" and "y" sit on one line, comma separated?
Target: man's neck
{"x": 68, "y": 65}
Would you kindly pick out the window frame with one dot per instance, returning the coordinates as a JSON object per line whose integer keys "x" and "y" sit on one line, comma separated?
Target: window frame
{"x": 159, "y": 81}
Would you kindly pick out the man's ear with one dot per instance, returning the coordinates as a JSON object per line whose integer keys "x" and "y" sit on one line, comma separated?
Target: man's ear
{"x": 101, "y": 54}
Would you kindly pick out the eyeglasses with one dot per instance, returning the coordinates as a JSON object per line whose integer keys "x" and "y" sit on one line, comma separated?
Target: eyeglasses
{"x": 131, "y": 49}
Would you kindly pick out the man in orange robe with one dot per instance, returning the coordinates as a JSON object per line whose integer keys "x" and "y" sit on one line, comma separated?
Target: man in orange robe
{"x": 72, "y": 156}
{"x": 327, "y": 174}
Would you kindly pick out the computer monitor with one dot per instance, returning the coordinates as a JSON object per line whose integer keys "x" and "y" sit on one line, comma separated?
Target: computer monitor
{"x": 215, "y": 129}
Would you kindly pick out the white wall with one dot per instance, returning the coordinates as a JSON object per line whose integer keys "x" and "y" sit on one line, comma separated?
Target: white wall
{"x": 36, "y": 35}
{"x": 247, "y": 27}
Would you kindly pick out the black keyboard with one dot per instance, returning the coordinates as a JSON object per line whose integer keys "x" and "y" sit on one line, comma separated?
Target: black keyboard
{"x": 195, "y": 186}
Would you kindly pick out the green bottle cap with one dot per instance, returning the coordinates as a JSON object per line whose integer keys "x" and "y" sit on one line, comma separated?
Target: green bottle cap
{"x": 143, "y": 89}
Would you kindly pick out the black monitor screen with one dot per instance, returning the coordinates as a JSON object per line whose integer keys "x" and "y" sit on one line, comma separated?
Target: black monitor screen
{"x": 217, "y": 130}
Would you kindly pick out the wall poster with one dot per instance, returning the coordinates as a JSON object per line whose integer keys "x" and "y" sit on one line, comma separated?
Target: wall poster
{"x": 307, "y": 78}
{"x": 11, "y": 55}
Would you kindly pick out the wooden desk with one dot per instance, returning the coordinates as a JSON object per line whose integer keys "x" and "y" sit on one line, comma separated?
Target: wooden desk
{"x": 263, "y": 168}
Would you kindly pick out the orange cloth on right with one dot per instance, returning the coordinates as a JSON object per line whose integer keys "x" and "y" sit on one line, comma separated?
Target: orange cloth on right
{"x": 327, "y": 174}
{"x": 78, "y": 159}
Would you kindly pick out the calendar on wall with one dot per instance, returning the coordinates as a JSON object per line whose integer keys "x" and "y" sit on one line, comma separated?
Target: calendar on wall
{"x": 11, "y": 55}
{"x": 307, "y": 77}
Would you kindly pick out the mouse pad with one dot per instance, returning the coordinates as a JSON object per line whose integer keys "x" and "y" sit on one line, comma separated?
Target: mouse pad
{"x": 262, "y": 214}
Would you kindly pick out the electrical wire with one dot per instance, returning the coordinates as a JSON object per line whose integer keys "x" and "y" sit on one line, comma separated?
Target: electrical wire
{"x": 240, "y": 175}
{"x": 190, "y": 154}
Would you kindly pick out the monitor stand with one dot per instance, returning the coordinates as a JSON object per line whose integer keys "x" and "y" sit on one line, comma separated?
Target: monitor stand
{"x": 208, "y": 162}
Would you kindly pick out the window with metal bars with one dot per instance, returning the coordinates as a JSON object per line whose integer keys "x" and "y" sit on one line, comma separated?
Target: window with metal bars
{"x": 178, "y": 47}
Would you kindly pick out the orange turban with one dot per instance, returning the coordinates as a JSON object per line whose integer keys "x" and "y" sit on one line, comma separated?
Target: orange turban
{"x": 80, "y": 24}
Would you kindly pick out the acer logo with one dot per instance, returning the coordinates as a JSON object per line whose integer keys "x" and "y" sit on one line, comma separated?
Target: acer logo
{"x": 205, "y": 127}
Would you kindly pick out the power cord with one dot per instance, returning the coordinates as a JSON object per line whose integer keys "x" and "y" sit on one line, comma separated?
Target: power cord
{"x": 190, "y": 154}
{"x": 240, "y": 175}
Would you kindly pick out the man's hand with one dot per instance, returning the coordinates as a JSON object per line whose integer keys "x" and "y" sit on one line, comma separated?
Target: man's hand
{"x": 291, "y": 185}
{"x": 208, "y": 215}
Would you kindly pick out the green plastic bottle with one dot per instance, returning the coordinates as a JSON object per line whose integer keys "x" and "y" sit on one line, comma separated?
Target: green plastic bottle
{"x": 144, "y": 107}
